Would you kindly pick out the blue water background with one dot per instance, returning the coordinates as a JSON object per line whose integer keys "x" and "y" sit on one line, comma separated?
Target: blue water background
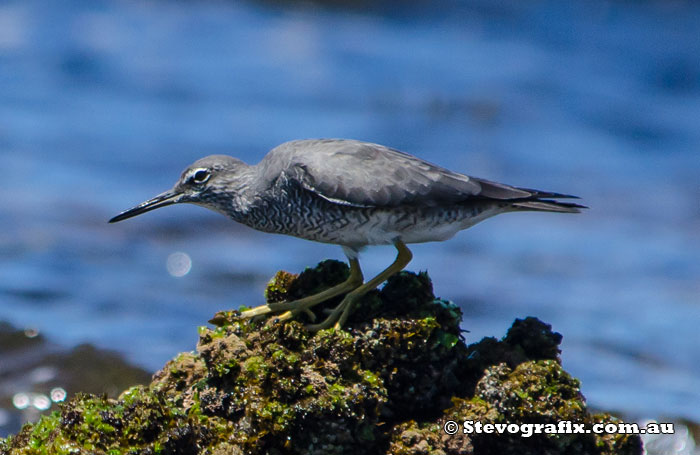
{"x": 103, "y": 103}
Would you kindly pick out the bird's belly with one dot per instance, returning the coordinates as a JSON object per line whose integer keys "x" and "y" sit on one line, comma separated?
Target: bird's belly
{"x": 314, "y": 218}
{"x": 377, "y": 226}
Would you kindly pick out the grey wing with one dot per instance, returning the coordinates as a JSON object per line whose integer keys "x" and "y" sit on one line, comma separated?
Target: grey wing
{"x": 370, "y": 175}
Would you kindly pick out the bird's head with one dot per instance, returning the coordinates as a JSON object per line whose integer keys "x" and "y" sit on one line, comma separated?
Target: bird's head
{"x": 204, "y": 182}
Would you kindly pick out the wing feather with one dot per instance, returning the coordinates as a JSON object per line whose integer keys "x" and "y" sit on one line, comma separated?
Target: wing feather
{"x": 363, "y": 174}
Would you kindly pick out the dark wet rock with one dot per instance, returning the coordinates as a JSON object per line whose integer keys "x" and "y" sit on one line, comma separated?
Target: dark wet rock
{"x": 387, "y": 383}
{"x": 13, "y": 339}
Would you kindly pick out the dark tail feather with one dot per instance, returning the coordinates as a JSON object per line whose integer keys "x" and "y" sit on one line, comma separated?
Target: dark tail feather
{"x": 545, "y": 205}
{"x": 546, "y": 194}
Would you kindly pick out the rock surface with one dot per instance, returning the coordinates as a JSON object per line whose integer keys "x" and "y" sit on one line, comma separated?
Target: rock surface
{"x": 40, "y": 372}
{"x": 387, "y": 383}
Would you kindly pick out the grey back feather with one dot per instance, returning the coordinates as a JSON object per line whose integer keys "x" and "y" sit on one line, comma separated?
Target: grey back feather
{"x": 363, "y": 174}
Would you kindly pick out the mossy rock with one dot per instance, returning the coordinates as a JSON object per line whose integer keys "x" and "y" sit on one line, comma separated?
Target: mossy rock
{"x": 386, "y": 383}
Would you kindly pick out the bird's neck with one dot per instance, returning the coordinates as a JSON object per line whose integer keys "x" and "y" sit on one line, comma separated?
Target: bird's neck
{"x": 240, "y": 191}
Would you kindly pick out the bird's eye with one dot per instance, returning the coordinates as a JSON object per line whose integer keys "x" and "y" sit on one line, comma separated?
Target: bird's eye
{"x": 201, "y": 176}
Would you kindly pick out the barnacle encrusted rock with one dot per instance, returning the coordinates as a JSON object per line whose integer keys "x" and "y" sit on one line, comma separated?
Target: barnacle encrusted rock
{"x": 386, "y": 383}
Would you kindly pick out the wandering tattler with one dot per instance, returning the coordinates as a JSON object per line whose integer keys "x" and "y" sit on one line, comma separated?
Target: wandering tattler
{"x": 349, "y": 193}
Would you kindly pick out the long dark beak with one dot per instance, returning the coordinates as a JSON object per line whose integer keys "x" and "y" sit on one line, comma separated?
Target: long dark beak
{"x": 168, "y": 198}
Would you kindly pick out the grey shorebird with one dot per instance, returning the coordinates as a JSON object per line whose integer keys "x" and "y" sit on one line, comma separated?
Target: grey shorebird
{"x": 349, "y": 193}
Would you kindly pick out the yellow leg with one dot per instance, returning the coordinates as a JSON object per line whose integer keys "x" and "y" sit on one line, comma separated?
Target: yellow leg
{"x": 342, "y": 311}
{"x": 291, "y": 313}
{"x": 301, "y": 305}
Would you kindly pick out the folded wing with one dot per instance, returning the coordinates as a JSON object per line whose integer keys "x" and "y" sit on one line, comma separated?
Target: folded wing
{"x": 370, "y": 175}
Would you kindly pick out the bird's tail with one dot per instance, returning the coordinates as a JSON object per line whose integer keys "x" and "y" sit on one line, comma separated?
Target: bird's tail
{"x": 544, "y": 201}
{"x": 548, "y": 205}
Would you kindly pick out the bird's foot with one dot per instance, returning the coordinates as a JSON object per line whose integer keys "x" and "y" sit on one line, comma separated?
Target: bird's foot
{"x": 338, "y": 315}
{"x": 304, "y": 305}
{"x": 288, "y": 309}
{"x": 266, "y": 309}
{"x": 287, "y": 315}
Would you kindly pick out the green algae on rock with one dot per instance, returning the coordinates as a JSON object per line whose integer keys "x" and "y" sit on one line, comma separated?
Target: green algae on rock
{"x": 387, "y": 383}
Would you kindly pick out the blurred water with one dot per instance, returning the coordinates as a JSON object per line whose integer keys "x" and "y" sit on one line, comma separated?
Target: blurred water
{"x": 102, "y": 103}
